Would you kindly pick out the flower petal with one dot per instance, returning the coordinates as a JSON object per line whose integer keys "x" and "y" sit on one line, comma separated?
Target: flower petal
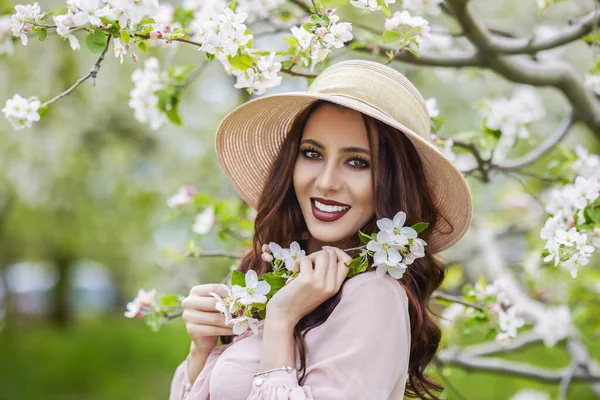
{"x": 251, "y": 279}
{"x": 381, "y": 270}
{"x": 262, "y": 287}
{"x": 385, "y": 224}
{"x": 399, "y": 218}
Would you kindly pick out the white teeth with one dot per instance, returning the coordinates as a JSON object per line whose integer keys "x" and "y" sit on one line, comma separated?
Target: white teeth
{"x": 328, "y": 208}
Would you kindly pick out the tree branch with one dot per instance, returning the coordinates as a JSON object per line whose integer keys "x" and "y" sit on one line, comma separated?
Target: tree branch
{"x": 92, "y": 74}
{"x": 456, "y": 299}
{"x": 530, "y": 46}
{"x": 542, "y": 149}
{"x": 585, "y": 104}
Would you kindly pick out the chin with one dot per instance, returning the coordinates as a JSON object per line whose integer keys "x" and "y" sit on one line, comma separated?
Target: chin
{"x": 331, "y": 234}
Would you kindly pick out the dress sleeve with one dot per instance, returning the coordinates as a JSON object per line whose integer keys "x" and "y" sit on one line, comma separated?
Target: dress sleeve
{"x": 360, "y": 352}
{"x": 181, "y": 386}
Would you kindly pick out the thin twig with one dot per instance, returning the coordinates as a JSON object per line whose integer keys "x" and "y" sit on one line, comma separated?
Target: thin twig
{"x": 212, "y": 253}
{"x": 294, "y": 73}
{"x": 456, "y": 299}
{"x": 440, "y": 366}
{"x": 92, "y": 74}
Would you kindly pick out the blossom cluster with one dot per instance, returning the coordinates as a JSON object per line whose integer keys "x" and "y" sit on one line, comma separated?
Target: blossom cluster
{"x": 413, "y": 30}
{"x": 511, "y": 116}
{"x": 22, "y": 112}
{"x": 244, "y": 302}
{"x": 396, "y": 246}
{"x": 313, "y": 42}
{"x": 205, "y": 220}
{"x": 143, "y": 303}
{"x": 573, "y": 215}
{"x": 21, "y": 21}
{"x": 370, "y": 5}
{"x": 142, "y": 98}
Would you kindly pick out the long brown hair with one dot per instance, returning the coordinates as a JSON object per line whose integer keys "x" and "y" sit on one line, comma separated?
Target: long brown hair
{"x": 399, "y": 184}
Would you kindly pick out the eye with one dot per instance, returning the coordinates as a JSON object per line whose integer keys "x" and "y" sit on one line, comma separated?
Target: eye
{"x": 359, "y": 163}
{"x": 311, "y": 154}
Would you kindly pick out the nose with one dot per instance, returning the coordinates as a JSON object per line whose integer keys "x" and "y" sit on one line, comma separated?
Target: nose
{"x": 329, "y": 179}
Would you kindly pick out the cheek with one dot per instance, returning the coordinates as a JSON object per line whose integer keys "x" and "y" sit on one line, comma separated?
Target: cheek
{"x": 362, "y": 189}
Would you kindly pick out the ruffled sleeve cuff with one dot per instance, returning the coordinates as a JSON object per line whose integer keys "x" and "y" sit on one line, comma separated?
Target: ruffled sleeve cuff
{"x": 279, "y": 385}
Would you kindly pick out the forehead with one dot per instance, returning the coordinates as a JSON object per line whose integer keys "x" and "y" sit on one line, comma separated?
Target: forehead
{"x": 336, "y": 127}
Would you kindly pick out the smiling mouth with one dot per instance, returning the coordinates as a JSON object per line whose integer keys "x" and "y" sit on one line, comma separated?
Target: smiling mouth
{"x": 328, "y": 210}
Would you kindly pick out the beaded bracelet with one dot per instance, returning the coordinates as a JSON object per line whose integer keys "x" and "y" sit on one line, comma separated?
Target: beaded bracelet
{"x": 286, "y": 368}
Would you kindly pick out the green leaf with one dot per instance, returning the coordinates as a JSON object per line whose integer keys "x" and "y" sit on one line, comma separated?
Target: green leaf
{"x": 170, "y": 300}
{"x": 291, "y": 41}
{"x": 95, "y": 41}
{"x": 276, "y": 282}
{"x": 241, "y": 62}
{"x": 384, "y": 7}
{"x": 125, "y": 36}
{"x": 42, "y": 33}
{"x": 232, "y": 5}
{"x": 146, "y": 21}
{"x": 391, "y": 37}
{"x": 315, "y": 19}
{"x": 309, "y": 27}
{"x": 173, "y": 114}
{"x": 592, "y": 214}
{"x": 364, "y": 237}
{"x": 143, "y": 47}
{"x": 238, "y": 278}
{"x": 420, "y": 226}
{"x": 210, "y": 56}
{"x": 42, "y": 111}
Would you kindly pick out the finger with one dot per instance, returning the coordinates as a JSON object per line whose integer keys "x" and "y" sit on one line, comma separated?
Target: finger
{"x": 322, "y": 262}
{"x": 199, "y": 303}
{"x": 306, "y": 267}
{"x": 331, "y": 278}
{"x": 204, "y": 290}
{"x": 204, "y": 318}
{"x": 207, "y": 330}
{"x": 342, "y": 270}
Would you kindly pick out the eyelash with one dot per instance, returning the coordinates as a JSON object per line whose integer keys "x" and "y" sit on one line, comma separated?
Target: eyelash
{"x": 359, "y": 158}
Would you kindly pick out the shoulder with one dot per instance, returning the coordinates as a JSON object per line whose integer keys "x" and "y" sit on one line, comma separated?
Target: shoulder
{"x": 367, "y": 290}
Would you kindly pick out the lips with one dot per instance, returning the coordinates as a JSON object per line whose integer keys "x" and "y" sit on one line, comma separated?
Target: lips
{"x": 324, "y": 215}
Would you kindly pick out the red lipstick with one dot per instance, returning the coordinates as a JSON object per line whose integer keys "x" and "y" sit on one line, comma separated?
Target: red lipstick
{"x": 324, "y": 215}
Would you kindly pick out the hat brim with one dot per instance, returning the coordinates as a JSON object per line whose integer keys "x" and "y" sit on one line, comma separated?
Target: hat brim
{"x": 249, "y": 138}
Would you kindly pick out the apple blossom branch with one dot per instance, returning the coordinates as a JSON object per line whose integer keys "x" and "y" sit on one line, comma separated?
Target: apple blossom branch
{"x": 92, "y": 74}
{"x": 585, "y": 104}
{"x": 494, "y": 266}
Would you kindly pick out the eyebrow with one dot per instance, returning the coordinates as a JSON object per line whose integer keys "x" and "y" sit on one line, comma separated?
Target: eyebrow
{"x": 344, "y": 150}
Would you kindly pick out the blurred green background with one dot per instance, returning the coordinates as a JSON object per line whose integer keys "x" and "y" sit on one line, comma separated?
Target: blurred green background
{"x": 83, "y": 218}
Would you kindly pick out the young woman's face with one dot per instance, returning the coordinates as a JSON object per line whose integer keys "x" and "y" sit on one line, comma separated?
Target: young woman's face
{"x": 332, "y": 175}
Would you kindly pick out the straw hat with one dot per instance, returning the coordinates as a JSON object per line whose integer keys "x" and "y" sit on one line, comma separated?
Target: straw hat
{"x": 249, "y": 137}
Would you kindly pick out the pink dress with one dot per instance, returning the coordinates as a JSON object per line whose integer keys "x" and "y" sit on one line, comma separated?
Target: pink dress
{"x": 360, "y": 352}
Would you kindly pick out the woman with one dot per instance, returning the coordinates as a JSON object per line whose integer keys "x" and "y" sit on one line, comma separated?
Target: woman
{"x": 318, "y": 166}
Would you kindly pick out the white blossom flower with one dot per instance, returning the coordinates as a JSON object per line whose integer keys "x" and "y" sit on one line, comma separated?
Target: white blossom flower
{"x": 288, "y": 256}
{"x": 431, "y": 7}
{"x": 512, "y": 116}
{"x": 6, "y": 44}
{"x": 451, "y": 314}
{"x": 338, "y": 34}
{"x": 369, "y": 5}
{"x": 303, "y": 36}
{"x": 255, "y": 291}
{"x": 22, "y": 112}
{"x": 204, "y": 221}
{"x": 530, "y": 394}
{"x": 21, "y": 20}
{"x": 417, "y": 250}
{"x": 416, "y": 29}
{"x": 142, "y": 98}
{"x": 592, "y": 82}
{"x": 553, "y": 324}
{"x": 510, "y": 321}
{"x": 224, "y": 34}
{"x": 222, "y": 305}
{"x": 184, "y": 196}
{"x": 385, "y": 248}
{"x": 141, "y": 300}
{"x": 241, "y": 325}
{"x": 136, "y": 10}
{"x": 64, "y": 23}
{"x": 399, "y": 233}
{"x": 586, "y": 165}
{"x": 260, "y": 77}
{"x": 432, "y": 107}
{"x": 89, "y": 11}
{"x": 120, "y": 48}
{"x": 388, "y": 261}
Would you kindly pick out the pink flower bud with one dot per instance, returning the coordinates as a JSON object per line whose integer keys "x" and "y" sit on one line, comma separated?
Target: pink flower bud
{"x": 265, "y": 248}
{"x": 321, "y": 31}
{"x": 167, "y": 28}
{"x": 570, "y": 221}
{"x": 433, "y": 138}
{"x": 134, "y": 57}
{"x": 496, "y": 309}
{"x": 156, "y": 35}
{"x": 267, "y": 257}
{"x": 26, "y": 28}
{"x": 329, "y": 11}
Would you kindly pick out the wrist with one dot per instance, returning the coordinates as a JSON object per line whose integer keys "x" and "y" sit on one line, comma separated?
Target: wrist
{"x": 280, "y": 322}
{"x": 196, "y": 350}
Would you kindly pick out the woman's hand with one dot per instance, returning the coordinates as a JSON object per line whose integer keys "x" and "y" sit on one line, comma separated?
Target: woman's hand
{"x": 321, "y": 276}
{"x": 203, "y": 322}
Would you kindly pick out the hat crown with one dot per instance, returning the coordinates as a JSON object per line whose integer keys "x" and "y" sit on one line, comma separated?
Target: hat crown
{"x": 379, "y": 87}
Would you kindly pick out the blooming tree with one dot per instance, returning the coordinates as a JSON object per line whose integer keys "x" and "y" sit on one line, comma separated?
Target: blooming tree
{"x": 410, "y": 32}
